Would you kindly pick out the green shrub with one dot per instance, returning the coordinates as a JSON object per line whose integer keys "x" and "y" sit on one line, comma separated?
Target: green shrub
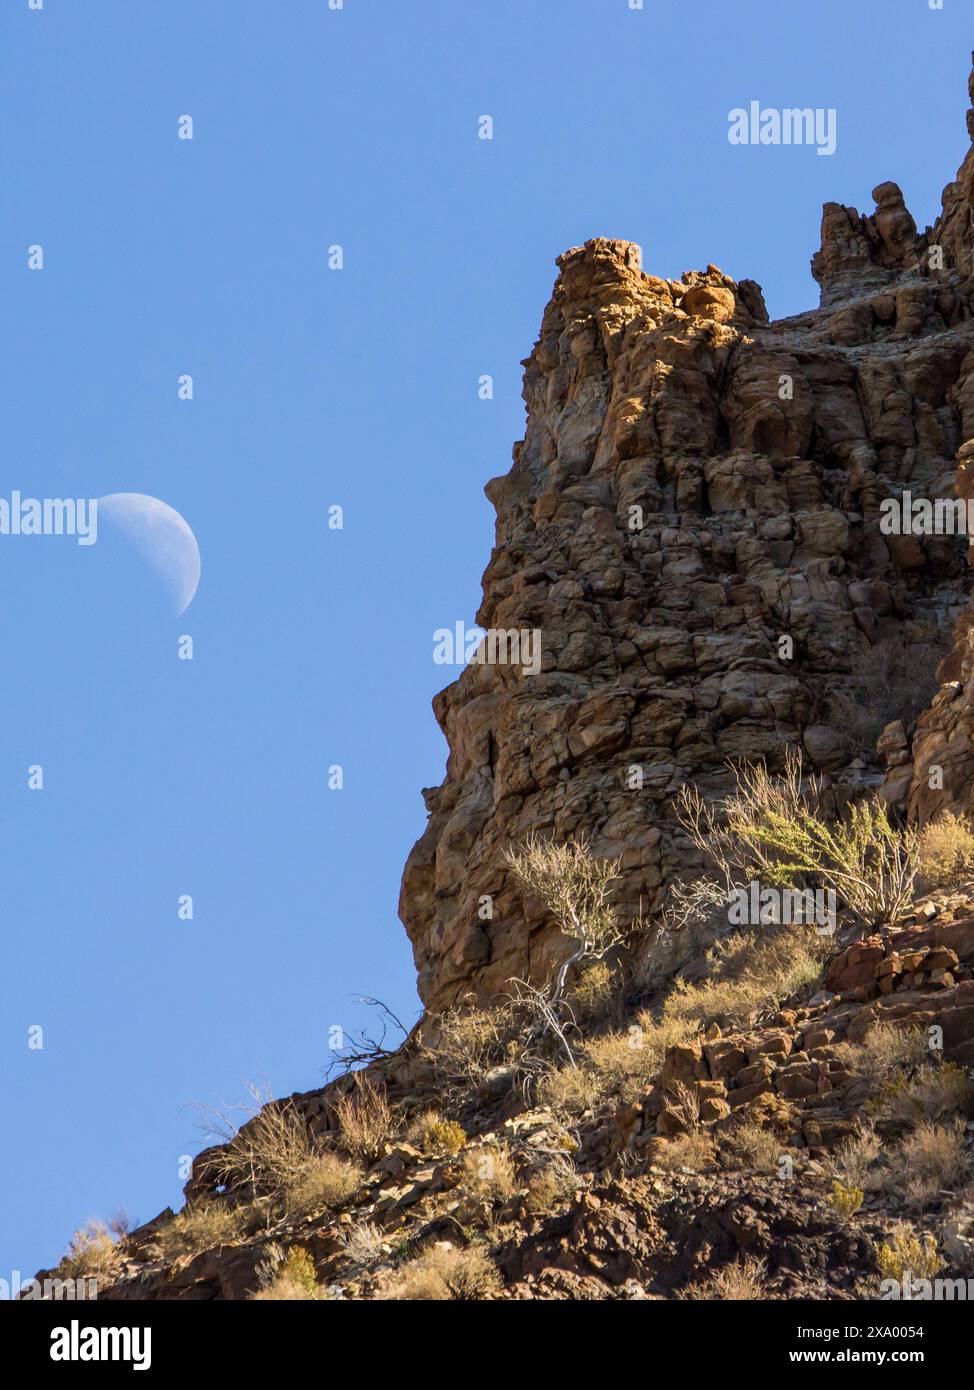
{"x": 845, "y": 1201}
{"x": 294, "y": 1279}
{"x": 771, "y": 829}
{"x": 908, "y": 1253}
{"x": 442, "y": 1136}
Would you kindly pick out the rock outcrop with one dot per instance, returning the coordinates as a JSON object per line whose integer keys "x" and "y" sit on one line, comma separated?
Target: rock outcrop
{"x": 693, "y": 525}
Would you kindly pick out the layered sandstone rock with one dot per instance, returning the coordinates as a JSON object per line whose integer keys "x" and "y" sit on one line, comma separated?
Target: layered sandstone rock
{"x": 692, "y": 523}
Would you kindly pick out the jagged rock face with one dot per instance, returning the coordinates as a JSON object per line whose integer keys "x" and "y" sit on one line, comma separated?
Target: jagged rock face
{"x": 931, "y": 769}
{"x": 696, "y": 484}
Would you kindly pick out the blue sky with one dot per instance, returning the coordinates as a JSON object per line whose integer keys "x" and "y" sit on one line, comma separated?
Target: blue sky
{"x": 315, "y": 387}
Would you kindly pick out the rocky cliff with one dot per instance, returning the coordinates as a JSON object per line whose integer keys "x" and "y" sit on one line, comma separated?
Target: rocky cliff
{"x": 693, "y": 524}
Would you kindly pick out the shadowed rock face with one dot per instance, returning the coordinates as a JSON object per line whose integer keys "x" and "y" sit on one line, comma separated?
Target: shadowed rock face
{"x": 695, "y": 485}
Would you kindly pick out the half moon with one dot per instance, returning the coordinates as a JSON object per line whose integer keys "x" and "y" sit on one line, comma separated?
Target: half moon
{"x": 161, "y": 536}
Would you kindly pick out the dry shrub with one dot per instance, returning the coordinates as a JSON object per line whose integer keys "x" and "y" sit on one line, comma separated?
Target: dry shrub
{"x": 551, "y": 1185}
{"x": 517, "y": 1039}
{"x": 365, "y": 1245}
{"x": 325, "y": 1181}
{"x": 575, "y": 886}
{"x": 693, "y": 904}
{"x": 91, "y": 1253}
{"x": 120, "y": 1225}
{"x": 947, "y": 849}
{"x": 593, "y": 993}
{"x": 464, "y": 1045}
{"x": 892, "y": 679}
{"x": 273, "y": 1155}
{"x": 419, "y": 1122}
{"x": 735, "y": 1283}
{"x": 627, "y": 1061}
{"x": 752, "y": 1148}
{"x": 365, "y": 1118}
{"x": 572, "y": 1091}
{"x": 752, "y": 973}
{"x": 910, "y": 1086}
{"x": 886, "y": 1052}
{"x": 694, "y": 1151}
{"x": 683, "y": 1100}
{"x": 933, "y": 1157}
{"x": 267, "y": 1153}
{"x": 929, "y": 1094}
{"x": 854, "y": 1161}
{"x": 444, "y": 1272}
{"x": 489, "y": 1172}
{"x": 204, "y": 1225}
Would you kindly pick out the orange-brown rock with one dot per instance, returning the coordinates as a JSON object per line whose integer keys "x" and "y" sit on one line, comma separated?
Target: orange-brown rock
{"x": 692, "y": 525}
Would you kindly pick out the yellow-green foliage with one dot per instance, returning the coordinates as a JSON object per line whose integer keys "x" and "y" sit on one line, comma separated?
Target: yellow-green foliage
{"x": 947, "y": 849}
{"x": 300, "y": 1267}
{"x": 593, "y": 992}
{"x": 442, "y": 1137}
{"x": 294, "y": 1279}
{"x": 908, "y": 1253}
{"x": 845, "y": 1201}
{"x": 770, "y": 829}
